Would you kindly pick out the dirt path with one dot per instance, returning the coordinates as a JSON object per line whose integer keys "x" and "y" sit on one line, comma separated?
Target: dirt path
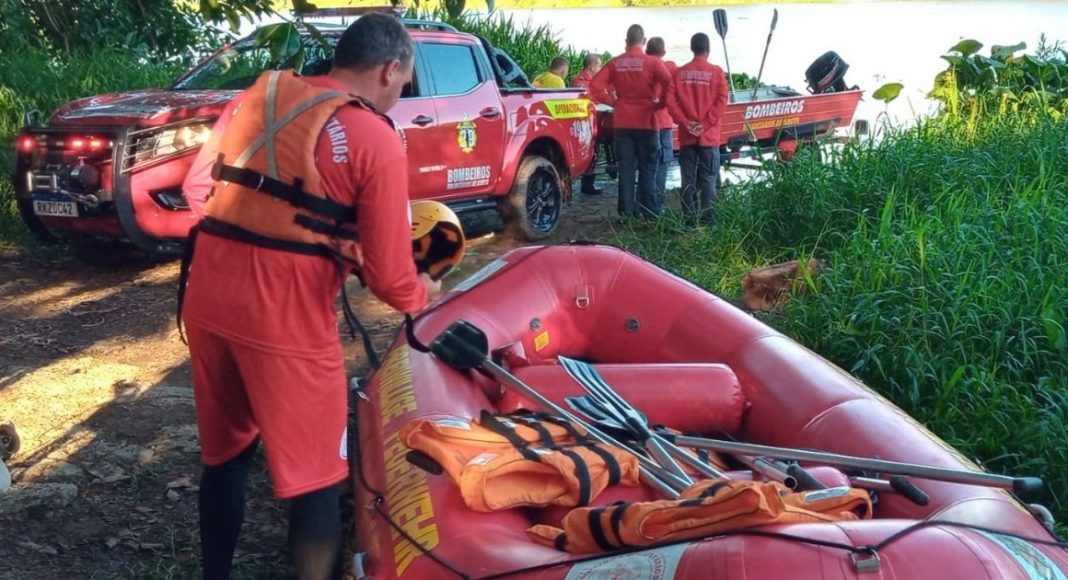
{"x": 94, "y": 377}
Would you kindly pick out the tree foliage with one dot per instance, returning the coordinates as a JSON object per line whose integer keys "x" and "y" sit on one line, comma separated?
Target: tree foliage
{"x": 153, "y": 29}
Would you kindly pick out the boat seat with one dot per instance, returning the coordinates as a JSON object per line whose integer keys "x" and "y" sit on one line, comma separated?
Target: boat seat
{"x": 699, "y": 398}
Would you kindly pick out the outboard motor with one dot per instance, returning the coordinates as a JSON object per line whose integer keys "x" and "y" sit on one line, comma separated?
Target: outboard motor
{"x": 827, "y": 74}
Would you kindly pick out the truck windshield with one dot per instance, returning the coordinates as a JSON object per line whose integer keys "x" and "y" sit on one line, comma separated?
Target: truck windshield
{"x": 238, "y": 66}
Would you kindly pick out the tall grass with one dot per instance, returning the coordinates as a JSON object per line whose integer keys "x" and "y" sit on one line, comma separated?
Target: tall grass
{"x": 948, "y": 287}
{"x": 33, "y": 80}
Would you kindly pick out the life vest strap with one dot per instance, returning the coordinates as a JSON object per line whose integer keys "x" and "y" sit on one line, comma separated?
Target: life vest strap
{"x": 617, "y": 520}
{"x": 582, "y": 470}
{"x": 582, "y": 473}
{"x": 615, "y": 472}
{"x": 487, "y": 420}
{"x": 291, "y": 194}
{"x": 215, "y": 227}
{"x": 597, "y": 528}
{"x": 183, "y": 278}
{"x": 321, "y": 227}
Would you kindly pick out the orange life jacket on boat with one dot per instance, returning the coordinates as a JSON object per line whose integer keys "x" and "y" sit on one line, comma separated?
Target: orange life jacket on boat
{"x": 506, "y": 461}
{"x": 708, "y": 507}
{"x": 268, "y": 190}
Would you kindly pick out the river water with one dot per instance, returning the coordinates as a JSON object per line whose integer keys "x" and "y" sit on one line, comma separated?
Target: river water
{"x": 883, "y": 41}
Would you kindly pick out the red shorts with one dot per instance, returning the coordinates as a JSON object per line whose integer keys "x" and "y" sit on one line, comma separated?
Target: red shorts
{"x": 296, "y": 404}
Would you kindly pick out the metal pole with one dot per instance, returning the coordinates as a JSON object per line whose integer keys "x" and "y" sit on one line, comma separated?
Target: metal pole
{"x": 1021, "y": 485}
{"x": 651, "y": 473}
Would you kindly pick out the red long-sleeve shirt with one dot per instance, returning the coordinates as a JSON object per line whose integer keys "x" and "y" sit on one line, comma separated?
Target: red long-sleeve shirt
{"x": 638, "y": 79}
{"x": 663, "y": 115}
{"x": 698, "y": 94}
{"x": 285, "y": 301}
{"x": 582, "y": 80}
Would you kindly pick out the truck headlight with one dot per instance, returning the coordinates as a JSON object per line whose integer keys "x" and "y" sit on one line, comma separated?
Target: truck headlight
{"x": 158, "y": 143}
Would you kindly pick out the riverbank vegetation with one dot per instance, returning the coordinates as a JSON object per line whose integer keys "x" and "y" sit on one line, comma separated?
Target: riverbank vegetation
{"x": 947, "y": 250}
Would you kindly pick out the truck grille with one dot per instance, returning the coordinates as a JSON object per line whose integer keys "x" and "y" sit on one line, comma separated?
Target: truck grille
{"x": 68, "y": 161}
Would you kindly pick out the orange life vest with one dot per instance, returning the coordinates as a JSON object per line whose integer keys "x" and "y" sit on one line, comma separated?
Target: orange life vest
{"x": 268, "y": 190}
{"x": 705, "y": 508}
{"x": 506, "y": 461}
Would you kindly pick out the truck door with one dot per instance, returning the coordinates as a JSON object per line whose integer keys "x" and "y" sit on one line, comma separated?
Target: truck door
{"x": 416, "y": 116}
{"x": 470, "y": 135}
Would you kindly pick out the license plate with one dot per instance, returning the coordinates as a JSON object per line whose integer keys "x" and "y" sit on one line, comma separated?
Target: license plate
{"x": 55, "y": 208}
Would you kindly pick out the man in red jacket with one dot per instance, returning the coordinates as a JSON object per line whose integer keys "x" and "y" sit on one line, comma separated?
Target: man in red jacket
{"x": 664, "y": 123}
{"x": 638, "y": 79}
{"x": 697, "y": 99}
{"x": 311, "y": 181}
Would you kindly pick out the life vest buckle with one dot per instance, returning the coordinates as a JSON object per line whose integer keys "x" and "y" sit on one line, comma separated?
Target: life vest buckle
{"x": 866, "y": 560}
{"x": 356, "y": 385}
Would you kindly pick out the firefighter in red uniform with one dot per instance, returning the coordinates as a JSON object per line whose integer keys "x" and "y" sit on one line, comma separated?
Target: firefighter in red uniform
{"x": 697, "y": 100}
{"x": 311, "y": 183}
{"x": 638, "y": 79}
{"x": 664, "y": 123}
{"x": 591, "y": 65}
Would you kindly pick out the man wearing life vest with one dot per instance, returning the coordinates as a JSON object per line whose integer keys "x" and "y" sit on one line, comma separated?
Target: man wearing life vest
{"x": 310, "y": 184}
{"x": 697, "y": 99}
{"x": 638, "y": 79}
{"x": 664, "y": 123}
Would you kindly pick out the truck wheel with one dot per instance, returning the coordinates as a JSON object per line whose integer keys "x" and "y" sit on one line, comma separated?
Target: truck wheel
{"x": 531, "y": 211}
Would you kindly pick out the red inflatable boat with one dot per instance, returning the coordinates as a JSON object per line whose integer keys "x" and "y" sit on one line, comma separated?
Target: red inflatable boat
{"x": 690, "y": 361}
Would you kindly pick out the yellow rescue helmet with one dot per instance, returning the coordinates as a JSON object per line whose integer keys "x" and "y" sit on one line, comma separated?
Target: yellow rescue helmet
{"x": 437, "y": 238}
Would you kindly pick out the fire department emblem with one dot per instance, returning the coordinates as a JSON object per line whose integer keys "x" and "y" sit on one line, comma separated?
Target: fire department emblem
{"x": 466, "y": 135}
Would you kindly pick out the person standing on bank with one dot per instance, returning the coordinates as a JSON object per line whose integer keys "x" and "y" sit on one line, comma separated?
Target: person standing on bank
{"x": 638, "y": 79}
{"x": 697, "y": 99}
{"x": 259, "y": 304}
{"x": 554, "y": 78}
{"x": 591, "y": 65}
{"x": 664, "y": 123}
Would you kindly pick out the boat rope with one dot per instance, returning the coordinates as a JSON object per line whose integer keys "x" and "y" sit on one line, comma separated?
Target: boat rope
{"x": 378, "y": 498}
{"x": 870, "y": 549}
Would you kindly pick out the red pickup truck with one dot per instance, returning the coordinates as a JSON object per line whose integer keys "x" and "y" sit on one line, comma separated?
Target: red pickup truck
{"x": 111, "y": 166}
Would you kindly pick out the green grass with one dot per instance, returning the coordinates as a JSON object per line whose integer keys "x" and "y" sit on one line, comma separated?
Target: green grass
{"x": 32, "y": 80}
{"x": 948, "y": 281}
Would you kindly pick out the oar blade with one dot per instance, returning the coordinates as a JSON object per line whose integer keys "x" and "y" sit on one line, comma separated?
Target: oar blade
{"x": 719, "y": 15}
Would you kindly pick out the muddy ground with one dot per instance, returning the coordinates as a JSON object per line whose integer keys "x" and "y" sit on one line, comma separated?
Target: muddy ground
{"x": 97, "y": 382}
